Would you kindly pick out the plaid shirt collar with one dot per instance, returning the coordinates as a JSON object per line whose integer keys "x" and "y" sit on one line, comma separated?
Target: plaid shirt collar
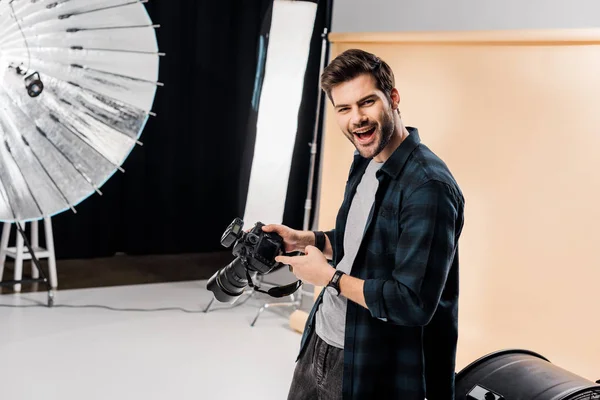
{"x": 396, "y": 162}
{"x": 393, "y": 166}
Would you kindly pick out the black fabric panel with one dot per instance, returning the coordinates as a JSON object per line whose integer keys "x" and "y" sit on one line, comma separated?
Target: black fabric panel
{"x": 250, "y": 139}
{"x": 182, "y": 188}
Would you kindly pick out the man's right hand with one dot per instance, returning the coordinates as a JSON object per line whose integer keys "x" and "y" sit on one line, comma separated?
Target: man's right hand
{"x": 293, "y": 239}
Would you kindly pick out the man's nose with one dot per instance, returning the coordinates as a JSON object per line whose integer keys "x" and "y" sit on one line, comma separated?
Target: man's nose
{"x": 358, "y": 118}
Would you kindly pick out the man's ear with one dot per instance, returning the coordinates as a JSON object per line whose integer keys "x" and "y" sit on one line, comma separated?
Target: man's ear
{"x": 395, "y": 97}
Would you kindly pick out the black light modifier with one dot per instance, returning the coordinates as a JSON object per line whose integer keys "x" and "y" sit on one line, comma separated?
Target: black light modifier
{"x": 521, "y": 375}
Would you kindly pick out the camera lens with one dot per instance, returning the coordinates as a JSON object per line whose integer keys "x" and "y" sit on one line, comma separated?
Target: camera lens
{"x": 228, "y": 283}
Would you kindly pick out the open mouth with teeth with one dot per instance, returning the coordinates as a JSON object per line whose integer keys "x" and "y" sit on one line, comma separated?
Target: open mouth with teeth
{"x": 365, "y": 136}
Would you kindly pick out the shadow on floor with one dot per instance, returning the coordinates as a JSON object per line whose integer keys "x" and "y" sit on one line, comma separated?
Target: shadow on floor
{"x": 124, "y": 270}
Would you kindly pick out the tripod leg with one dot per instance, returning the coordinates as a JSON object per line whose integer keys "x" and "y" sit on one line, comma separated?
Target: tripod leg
{"x": 4, "y": 246}
{"x": 50, "y": 298}
{"x": 51, "y": 257}
{"x": 258, "y": 314}
{"x": 35, "y": 243}
{"x": 22, "y": 238}
{"x": 295, "y": 303}
{"x": 19, "y": 263}
{"x": 209, "y": 304}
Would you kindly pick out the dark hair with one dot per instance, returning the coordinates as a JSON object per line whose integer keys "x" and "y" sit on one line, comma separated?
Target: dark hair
{"x": 352, "y": 63}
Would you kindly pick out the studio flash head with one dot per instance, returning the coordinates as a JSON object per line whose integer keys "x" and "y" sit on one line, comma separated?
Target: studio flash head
{"x": 34, "y": 85}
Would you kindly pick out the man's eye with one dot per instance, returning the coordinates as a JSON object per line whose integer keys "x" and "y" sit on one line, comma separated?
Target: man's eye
{"x": 369, "y": 102}
{"x": 342, "y": 110}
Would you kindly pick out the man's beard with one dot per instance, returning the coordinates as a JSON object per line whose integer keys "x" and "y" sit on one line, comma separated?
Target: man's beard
{"x": 387, "y": 131}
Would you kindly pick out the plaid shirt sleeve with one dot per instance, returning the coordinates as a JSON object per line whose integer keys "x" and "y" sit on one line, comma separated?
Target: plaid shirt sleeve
{"x": 423, "y": 257}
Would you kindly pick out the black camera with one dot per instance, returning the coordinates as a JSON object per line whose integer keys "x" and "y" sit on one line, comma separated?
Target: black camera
{"x": 255, "y": 253}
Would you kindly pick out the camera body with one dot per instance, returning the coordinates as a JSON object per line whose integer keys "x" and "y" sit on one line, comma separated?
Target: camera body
{"x": 259, "y": 248}
{"x": 255, "y": 253}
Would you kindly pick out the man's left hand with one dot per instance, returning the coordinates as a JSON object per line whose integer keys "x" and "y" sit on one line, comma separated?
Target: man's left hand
{"x": 311, "y": 268}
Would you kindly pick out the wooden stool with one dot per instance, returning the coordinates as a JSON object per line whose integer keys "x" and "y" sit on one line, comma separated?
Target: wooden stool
{"x": 20, "y": 252}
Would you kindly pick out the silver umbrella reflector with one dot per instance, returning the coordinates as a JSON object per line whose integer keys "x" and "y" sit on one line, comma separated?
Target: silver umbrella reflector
{"x": 77, "y": 83}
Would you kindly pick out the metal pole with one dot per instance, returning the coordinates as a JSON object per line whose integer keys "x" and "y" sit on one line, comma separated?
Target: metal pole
{"x": 313, "y": 144}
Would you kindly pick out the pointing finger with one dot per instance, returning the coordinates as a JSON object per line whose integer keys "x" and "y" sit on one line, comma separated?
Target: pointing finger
{"x": 269, "y": 228}
{"x": 283, "y": 259}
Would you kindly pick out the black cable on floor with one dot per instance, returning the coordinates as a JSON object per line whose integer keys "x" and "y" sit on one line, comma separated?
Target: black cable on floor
{"x": 104, "y": 307}
{"x": 116, "y": 309}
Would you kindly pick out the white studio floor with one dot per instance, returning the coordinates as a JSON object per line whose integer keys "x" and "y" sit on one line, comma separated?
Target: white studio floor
{"x": 89, "y": 353}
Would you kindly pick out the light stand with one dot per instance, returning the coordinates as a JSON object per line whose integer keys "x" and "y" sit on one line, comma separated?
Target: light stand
{"x": 313, "y": 144}
{"x": 36, "y": 262}
{"x": 306, "y": 225}
{"x": 296, "y": 300}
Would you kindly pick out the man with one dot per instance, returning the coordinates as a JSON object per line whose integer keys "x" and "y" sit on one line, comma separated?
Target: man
{"x": 386, "y": 324}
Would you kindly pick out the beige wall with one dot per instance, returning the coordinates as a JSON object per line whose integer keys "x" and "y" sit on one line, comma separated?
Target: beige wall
{"x": 516, "y": 116}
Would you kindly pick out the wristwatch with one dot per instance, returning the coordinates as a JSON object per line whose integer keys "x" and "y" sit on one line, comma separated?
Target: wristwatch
{"x": 334, "y": 283}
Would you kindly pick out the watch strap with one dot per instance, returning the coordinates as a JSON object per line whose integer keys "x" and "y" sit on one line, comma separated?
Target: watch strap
{"x": 335, "y": 281}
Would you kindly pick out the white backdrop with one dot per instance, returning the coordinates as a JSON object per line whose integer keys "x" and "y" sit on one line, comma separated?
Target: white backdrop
{"x": 289, "y": 46}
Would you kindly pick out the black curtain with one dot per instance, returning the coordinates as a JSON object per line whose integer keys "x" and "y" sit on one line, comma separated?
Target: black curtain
{"x": 189, "y": 180}
{"x": 299, "y": 173}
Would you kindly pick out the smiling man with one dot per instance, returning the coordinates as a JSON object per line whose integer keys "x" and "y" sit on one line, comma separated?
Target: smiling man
{"x": 369, "y": 121}
{"x": 386, "y": 324}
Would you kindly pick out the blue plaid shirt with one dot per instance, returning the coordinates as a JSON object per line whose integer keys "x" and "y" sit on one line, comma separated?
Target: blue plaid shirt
{"x": 404, "y": 345}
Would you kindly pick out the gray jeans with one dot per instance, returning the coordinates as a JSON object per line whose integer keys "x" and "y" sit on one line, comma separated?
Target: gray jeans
{"x": 318, "y": 373}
